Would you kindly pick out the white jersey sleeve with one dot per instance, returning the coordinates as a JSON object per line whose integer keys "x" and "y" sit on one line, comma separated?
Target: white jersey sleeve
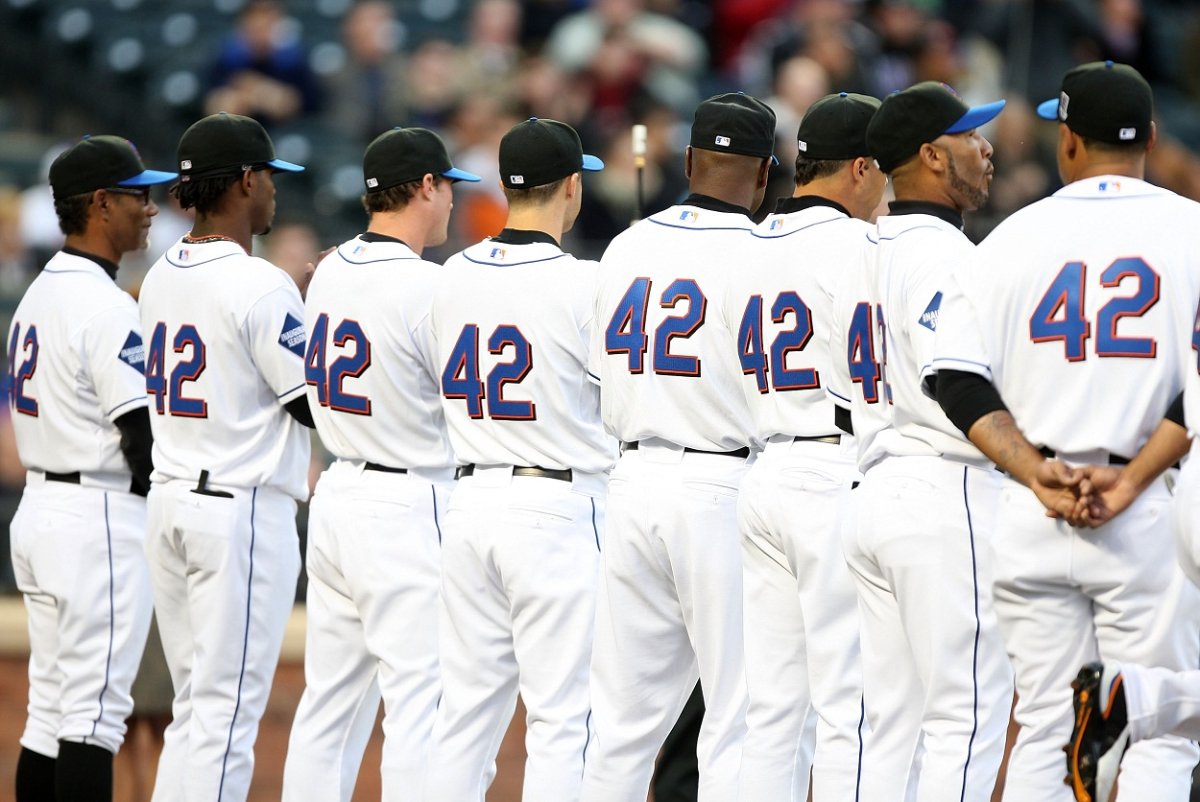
{"x": 669, "y": 367}
{"x": 958, "y": 342}
{"x": 75, "y": 365}
{"x": 511, "y": 325}
{"x": 225, "y": 351}
{"x": 782, "y": 303}
{"x": 372, "y": 380}
{"x": 1084, "y": 296}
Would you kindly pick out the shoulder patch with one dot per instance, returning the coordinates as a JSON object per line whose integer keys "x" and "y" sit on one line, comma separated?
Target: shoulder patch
{"x": 929, "y": 318}
{"x": 133, "y": 353}
{"x": 292, "y": 337}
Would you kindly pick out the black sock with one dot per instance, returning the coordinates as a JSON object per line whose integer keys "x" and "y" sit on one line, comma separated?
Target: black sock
{"x": 35, "y": 777}
{"x": 85, "y": 773}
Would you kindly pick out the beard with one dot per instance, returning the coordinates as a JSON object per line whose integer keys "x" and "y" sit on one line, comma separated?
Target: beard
{"x": 975, "y": 196}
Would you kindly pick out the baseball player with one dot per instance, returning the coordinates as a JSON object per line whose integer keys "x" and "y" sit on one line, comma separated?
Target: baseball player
{"x": 937, "y": 684}
{"x": 1084, "y": 292}
{"x": 83, "y": 434}
{"x": 669, "y": 608}
{"x": 225, "y": 357}
{"x": 511, "y": 323}
{"x": 374, "y": 521}
{"x": 801, "y": 619}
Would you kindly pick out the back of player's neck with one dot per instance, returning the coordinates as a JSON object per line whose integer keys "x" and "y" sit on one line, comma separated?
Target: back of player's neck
{"x": 1124, "y": 169}
{"x": 95, "y": 244}
{"x": 236, "y": 230}
{"x": 547, "y": 218}
{"x": 410, "y": 232}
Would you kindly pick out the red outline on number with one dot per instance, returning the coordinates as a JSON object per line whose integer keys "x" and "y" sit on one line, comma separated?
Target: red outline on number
{"x": 499, "y": 397}
{"x": 792, "y": 348}
{"x": 340, "y": 342}
{"x": 176, "y": 386}
{"x": 628, "y": 321}
{"x": 1116, "y": 316}
{"x": 1061, "y": 303}
{"x": 683, "y": 334}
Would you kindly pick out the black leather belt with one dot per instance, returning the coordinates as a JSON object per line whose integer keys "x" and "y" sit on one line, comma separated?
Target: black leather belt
{"x": 71, "y": 478}
{"x": 1113, "y": 459}
{"x": 564, "y": 475}
{"x": 741, "y": 453}
{"x": 203, "y": 489}
{"x": 375, "y": 466}
{"x": 824, "y": 438}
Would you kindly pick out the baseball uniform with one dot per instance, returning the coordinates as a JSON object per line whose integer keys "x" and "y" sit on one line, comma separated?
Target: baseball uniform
{"x": 1053, "y": 315}
{"x": 75, "y": 372}
{"x": 225, "y": 351}
{"x": 374, "y": 531}
{"x": 801, "y": 619}
{"x": 511, "y": 325}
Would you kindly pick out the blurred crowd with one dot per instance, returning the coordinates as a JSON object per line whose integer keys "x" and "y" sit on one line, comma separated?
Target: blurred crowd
{"x": 326, "y": 76}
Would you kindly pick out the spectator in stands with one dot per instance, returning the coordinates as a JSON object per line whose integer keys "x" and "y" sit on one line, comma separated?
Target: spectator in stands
{"x": 17, "y": 264}
{"x": 366, "y": 95}
{"x": 261, "y": 71}
{"x": 435, "y": 83}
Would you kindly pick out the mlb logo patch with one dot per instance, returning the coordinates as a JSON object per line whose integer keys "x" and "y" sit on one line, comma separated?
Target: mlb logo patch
{"x": 359, "y": 249}
{"x": 803, "y": 145}
{"x": 186, "y": 164}
{"x": 723, "y": 141}
{"x": 776, "y": 223}
{"x": 1126, "y": 134}
{"x": 372, "y": 182}
{"x": 689, "y": 216}
{"x": 1110, "y": 186}
{"x": 183, "y": 254}
{"x": 133, "y": 353}
{"x": 516, "y": 179}
{"x": 929, "y": 318}
{"x": 1064, "y": 100}
{"x": 497, "y": 253}
{"x": 292, "y": 336}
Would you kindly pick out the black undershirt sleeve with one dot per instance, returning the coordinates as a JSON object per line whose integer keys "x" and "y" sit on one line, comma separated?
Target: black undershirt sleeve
{"x": 841, "y": 419}
{"x": 136, "y": 444}
{"x": 298, "y": 409}
{"x": 1175, "y": 411}
{"x": 966, "y": 397}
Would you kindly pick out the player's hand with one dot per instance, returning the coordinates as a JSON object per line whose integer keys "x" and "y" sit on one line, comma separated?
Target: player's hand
{"x": 1061, "y": 490}
{"x": 1109, "y": 494}
{"x": 309, "y": 268}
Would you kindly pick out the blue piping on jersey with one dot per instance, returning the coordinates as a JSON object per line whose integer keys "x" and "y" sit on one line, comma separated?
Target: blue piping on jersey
{"x": 141, "y": 397}
{"x": 111, "y": 618}
{"x": 245, "y": 646}
{"x": 837, "y": 395}
{"x": 197, "y": 264}
{"x": 294, "y": 389}
{"x": 749, "y": 229}
{"x": 595, "y": 378}
{"x": 958, "y": 359}
{"x": 595, "y": 531}
{"x": 902, "y": 233}
{"x": 413, "y": 258}
{"x": 797, "y": 230}
{"x": 862, "y": 718}
{"x": 436, "y": 524}
{"x": 975, "y": 651}
{"x": 64, "y": 272}
{"x": 512, "y": 264}
{"x": 587, "y": 727}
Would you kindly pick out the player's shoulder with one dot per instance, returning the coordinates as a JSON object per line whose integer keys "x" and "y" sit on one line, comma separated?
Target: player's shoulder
{"x": 75, "y": 283}
{"x": 494, "y": 253}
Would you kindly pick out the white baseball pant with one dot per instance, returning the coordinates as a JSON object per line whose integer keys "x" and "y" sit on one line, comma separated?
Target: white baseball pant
{"x": 1161, "y": 702}
{"x": 520, "y": 558}
{"x": 373, "y": 565}
{"x": 669, "y": 610}
{"x": 937, "y": 683}
{"x": 78, "y": 556}
{"x": 224, "y": 574}
{"x": 1065, "y": 597}
{"x": 801, "y": 625}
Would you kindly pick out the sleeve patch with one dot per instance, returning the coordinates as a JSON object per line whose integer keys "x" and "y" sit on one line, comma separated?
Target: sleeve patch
{"x": 929, "y": 318}
{"x": 293, "y": 337}
{"x": 133, "y": 353}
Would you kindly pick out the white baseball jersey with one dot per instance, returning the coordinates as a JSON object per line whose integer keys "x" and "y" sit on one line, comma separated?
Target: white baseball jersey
{"x": 373, "y": 386}
{"x": 211, "y": 304}
{"x": 1056, "y": 323}
{"x": 664, "y": 356}
{"x": 75, "y": 366}
{"x": 782, "y": 302}
{"x": 502, "y": 406}
{"x": 914, "y": 257}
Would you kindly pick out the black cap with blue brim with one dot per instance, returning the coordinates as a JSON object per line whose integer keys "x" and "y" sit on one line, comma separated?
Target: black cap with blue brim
{"x": 735, "y": 122}
{"x": 1105, "y": 101}
{"x": 402, "y": 155}
{"x": 908, "y": 119}
{"x": 539, "y": 152}
{"x": 224, "y": 144}
{"x": 99, "y": 162}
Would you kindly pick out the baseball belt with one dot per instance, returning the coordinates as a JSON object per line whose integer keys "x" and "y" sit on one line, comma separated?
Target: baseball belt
{"x": 525, "y": 470}
{"x": 741, "y": 453}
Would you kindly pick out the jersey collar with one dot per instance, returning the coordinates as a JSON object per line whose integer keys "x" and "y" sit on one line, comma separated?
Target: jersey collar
{"x": 109, "y": 267}
{"x": 713, "y": 204}
{"x": 790, "y": 205}
{"x": 1109, "y": 186}
{"x": 518, "y": 236}
{"x": 938, "y": 210}
{"x": 375, "y": 236}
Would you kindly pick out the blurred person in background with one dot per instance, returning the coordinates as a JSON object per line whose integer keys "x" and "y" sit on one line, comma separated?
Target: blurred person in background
{"x": 17, "y": 261}
{"x": 262, "y": 69}
{"x": 366, "y": 94}
{"x": 434, "y": 83}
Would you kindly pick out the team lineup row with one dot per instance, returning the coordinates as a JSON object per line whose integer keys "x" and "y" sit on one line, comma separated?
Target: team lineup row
{"x": 851, "y": 475}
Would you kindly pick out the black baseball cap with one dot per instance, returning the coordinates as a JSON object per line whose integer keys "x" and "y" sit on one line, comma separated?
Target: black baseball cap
{"x": 538, "y": 152}
{"x": 908, "y": 119}
{"x": 735, "y": 123}
{"x": 408, "y": 154}
{"x": 96, "y": 162}
{"x": 835, "y": 127}
{"x": 226, "y": 143}
{"x": 1103, "y": 101}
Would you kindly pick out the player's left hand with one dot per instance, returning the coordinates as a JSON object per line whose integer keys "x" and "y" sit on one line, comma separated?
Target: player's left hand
{"x": 1061, "y": 490}
{"x": 309, "y": 268}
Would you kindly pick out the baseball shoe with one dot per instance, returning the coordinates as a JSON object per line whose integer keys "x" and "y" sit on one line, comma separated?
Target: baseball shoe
{"x": 1101, "y": 733}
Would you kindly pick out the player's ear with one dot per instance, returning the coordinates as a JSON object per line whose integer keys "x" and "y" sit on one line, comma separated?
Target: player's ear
{"x": 763, "y": 169}
{"x": 1153, "y": 140}
{"x": 931, "y": 155}
{"x": 687, "y": 162}
{"x": 429, "y": 185}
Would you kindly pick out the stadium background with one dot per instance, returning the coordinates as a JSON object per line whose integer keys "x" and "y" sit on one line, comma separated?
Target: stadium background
{"x": 325, "y": 76}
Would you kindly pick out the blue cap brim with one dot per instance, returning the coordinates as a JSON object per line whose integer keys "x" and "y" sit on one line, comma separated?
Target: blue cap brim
{"x": 287, "y": 167}
{"x": 148, "y": 178}
{"x": 976, "y": 117}
{"x": 774, "y": 160}
{"x": 1048, "y": 109}
{"x": 591, "y": 163}
{"x": 455, "y": 174}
